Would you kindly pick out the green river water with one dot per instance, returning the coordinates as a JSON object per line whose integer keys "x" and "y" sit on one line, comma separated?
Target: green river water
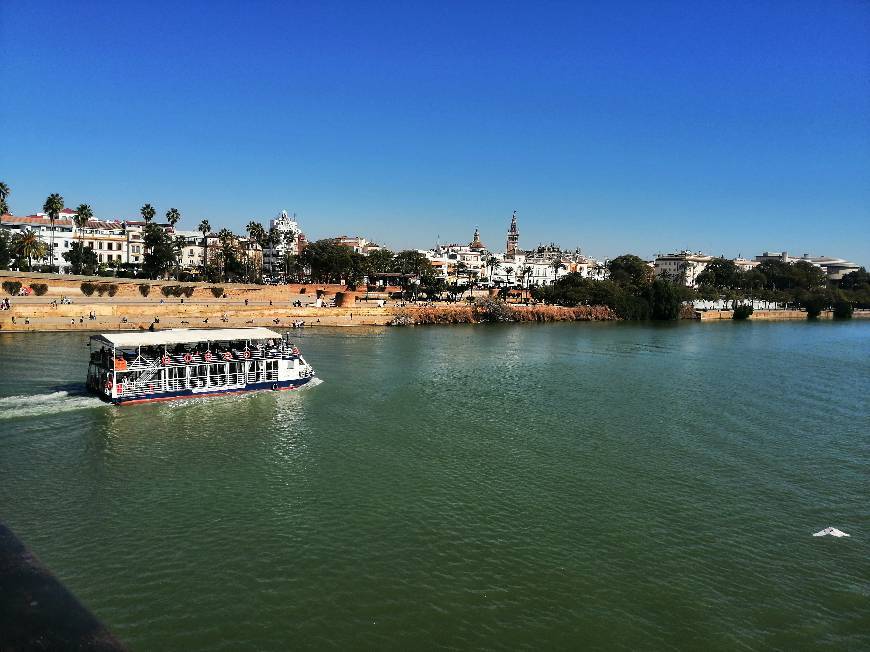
{"x": 565, "y": 486}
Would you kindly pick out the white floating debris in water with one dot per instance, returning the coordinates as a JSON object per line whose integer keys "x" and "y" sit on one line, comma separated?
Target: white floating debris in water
{"x": 834, "y": 532}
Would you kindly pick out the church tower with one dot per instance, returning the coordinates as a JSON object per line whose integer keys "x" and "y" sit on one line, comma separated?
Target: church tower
{"x": 513, "y": 237}
{"x": 476, "y": 244}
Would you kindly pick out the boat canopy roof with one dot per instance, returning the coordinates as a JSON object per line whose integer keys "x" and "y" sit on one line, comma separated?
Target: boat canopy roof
{"x": 184, "y": 336}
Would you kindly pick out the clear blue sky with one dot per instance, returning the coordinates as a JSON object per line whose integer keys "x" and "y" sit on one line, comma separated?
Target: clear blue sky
{"x": 616, "y": 126}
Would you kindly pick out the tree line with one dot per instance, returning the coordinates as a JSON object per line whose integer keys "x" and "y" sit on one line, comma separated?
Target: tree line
{"x": 632, "y": 291}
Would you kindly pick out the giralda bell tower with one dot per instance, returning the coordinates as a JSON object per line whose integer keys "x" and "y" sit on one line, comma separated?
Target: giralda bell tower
{"x": 513, "y": 237}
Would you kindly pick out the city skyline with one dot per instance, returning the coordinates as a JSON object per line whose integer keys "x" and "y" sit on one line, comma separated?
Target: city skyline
{"x": 629, "y": 129}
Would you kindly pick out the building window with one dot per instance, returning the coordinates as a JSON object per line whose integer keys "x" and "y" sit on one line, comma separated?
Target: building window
{"x": 101, "y": 257}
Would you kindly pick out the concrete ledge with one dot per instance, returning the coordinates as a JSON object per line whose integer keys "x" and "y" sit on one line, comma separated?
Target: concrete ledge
{"x": 760, "y": 315}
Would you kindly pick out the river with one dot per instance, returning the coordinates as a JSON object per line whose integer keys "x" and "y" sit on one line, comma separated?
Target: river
{"x": 581, "y": 485}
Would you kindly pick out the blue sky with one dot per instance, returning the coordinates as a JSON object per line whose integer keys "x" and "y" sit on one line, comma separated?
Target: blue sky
{"x": 614, "y": 126}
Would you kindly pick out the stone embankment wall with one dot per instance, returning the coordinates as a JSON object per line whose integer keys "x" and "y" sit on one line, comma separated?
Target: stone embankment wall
{"x": 242, "y": 305}
{"x": 217, "y": 314}
{"x": 760, "y": 315}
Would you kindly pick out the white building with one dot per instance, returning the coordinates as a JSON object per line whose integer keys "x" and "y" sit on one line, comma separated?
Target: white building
{"x": 114, "y": 242}
{"x": 110, "y": 240}
{"x": 834, "y": 268}
{"x": 683, "y": 266}
{"x": 359, "y": 244}
{"x": 290, "y": 240}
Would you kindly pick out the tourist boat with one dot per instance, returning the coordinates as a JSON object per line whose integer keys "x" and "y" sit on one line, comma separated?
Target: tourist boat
{"x": 180, "y": 363}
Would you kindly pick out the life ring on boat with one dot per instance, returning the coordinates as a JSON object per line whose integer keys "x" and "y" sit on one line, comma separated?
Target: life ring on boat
{"x": 188, "y": 358}
{"x": 247, "y": 354}
{"x": 207, "y": 356}
{"x": 228, "y": 355}
{"x": 274, "y": 387}
{"x": 165, "y": 360}
{"x": 295, "y": 351}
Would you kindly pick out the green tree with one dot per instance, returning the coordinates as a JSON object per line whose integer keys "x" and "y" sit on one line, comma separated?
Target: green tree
{"x": 843, "y": 309}
{"x": 461, "y": 270}
{"x": 808, "y": 276}
{"x": 814, "y": 303}
{"x": 159, "y": 252}
{"x": 432, "y": 285}
{"x": 7, "y": 254}
{"x": 256, "y": 234}
{"x": 379, "y": 261}
{"x": 720, "y": 273}
{"x": 27, "y": 246}
{"x": 173, "y": 215}
{"x": 525, "y": 274}
{"x": 556, "y": 264}
{"x": 4, "y": 194}
{"x": 289, "y": 240}
{"x": 82, "y": 259}
{"x": 84, "y": 214}
{"x": 147, "y": 212}
{"x": 857, "y": 280}
{"x": 493, "y": 264}
{"x": 411, "y": 261}
{"x": 52, "y": 207}
{"x": 178, "y": 244}
{"x": 226, "y": 240}
{"x": 328, "y": 261}
{"x": 664, "y": 300}
{"x": 630, "y": 271}
{"x": 204, "y": 228}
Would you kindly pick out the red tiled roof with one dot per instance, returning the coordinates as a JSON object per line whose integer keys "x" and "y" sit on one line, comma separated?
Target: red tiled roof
{"x": 36, "y": 220}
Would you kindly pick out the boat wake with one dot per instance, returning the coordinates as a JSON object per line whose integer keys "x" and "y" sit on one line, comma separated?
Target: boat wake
{"x": 314, "y": 382}
{"x": 29, "y": 405}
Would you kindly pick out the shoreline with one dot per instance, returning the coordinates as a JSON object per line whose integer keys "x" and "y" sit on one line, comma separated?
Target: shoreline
{"x": 126, "y": 309}
{"x": 116, "y": 316}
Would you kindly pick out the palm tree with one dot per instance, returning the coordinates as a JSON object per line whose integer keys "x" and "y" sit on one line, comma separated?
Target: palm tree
{"x": 557, "y": 264}
{"x": 28, "y": 245}
{"x": 4, "y": 193}
{"x": 493, "y": 263}
{"x": 508, "y": 271}
{"x": 204, "y": 228}
{"x": 525, "y": 273}
{"x": 225, "y": 236}
{"x": 461, "y": 269}
{"x": 83, "y": 215}
{"x": 172, "y": 216}
{"x": 178, "y": 245}
{"x": 52, "y": 206}
{"x": 288, "y": 238}
{"x": 256, "y": 233}
{"x": 148, "y": 213}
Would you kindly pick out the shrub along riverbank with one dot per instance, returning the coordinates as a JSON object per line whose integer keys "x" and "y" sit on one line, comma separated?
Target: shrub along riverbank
{"x": 488, "y": 310}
